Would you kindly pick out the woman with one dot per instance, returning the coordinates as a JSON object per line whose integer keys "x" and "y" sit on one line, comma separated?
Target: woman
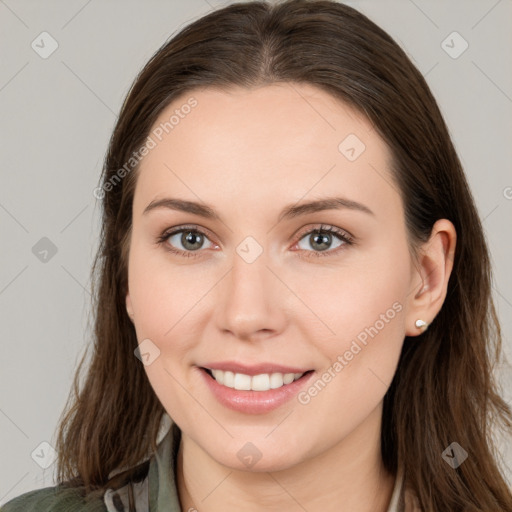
{"x": 292, "y": 268}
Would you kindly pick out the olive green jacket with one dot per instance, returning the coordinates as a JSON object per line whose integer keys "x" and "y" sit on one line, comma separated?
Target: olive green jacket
{"x": 156, "y": 493}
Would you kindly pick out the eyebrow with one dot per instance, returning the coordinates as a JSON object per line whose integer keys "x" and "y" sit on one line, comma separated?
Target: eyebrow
{"x": 289, "y": 212}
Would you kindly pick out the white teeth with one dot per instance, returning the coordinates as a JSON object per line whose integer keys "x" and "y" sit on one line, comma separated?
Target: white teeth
{"x": 262, "y": 382}
{"x": 219, "y": 376}
{"x": 242, "y": 382}
{"x": 288, "y": 378}
{"x": 228, "y": 379}
{"x": 276, "y": 380}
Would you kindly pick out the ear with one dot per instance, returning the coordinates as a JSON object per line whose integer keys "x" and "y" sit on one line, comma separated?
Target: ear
{"x": 430, "y": 276}
{"x": 129, "y": 307}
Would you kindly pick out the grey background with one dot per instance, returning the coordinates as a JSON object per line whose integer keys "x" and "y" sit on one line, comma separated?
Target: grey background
{"x": 57, "y": 117}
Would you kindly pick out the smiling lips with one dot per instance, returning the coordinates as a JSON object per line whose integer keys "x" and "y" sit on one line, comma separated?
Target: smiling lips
{"x": 254, "y": 389}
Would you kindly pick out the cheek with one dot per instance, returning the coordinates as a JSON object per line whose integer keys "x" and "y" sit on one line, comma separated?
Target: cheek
{"x": 160, "y": 292}
{"x": 165, "y": 302}
{"x": 353, "y": 300}
{"x": 363, "y": 306}
{"x": 169, "y": 301}
{"x": 360, "y": 362}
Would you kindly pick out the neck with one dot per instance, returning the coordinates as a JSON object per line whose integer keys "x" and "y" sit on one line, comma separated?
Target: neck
{"x": 349, "y": 476}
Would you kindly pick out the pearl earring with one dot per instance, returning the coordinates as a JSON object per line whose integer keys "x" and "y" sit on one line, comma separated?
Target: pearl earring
{"x": 420, "y": 324}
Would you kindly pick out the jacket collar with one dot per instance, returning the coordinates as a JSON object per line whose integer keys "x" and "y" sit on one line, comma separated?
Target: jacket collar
{"x": 158, "y": 492}
{"x": 163, "y": 487}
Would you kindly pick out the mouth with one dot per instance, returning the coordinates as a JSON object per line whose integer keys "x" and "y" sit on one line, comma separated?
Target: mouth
{"x": 255, "y": 388}
{"x": 261, "y": 382}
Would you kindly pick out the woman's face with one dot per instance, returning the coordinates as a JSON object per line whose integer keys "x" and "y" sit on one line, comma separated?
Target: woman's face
{"x": 252, "y": 292}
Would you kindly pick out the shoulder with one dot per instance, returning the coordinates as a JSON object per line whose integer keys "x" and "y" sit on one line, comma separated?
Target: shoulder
{"x": 54, "y": 499}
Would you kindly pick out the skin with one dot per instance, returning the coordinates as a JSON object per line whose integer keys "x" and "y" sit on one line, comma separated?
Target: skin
{"x": 248, "y": 154}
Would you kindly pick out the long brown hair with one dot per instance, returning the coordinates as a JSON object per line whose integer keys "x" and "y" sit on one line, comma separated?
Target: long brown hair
{"x": 443, "y": 390}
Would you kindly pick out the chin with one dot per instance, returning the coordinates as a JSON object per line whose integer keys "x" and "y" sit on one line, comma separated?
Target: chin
{"x": 256, "y": 456}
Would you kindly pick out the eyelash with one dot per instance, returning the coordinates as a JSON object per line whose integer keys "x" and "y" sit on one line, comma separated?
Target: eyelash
{"x": 342, "y": 235}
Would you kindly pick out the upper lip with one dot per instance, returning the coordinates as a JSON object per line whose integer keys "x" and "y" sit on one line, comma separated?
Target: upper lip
{"x": 253, "y": 369}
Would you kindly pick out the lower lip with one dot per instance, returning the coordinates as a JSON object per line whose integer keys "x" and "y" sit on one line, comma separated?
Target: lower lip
{"x": 254, "y": 402}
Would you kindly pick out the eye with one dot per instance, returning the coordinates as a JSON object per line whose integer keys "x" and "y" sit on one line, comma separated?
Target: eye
{"x": 190, "y": 239}
{"x": 321, "y": 239}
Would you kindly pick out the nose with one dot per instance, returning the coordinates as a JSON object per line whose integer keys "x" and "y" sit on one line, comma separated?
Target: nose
{"x": 250, "y": 300}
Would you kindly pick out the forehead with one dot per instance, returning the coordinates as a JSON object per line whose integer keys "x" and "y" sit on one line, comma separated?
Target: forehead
{"x": 262, "y": 144}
